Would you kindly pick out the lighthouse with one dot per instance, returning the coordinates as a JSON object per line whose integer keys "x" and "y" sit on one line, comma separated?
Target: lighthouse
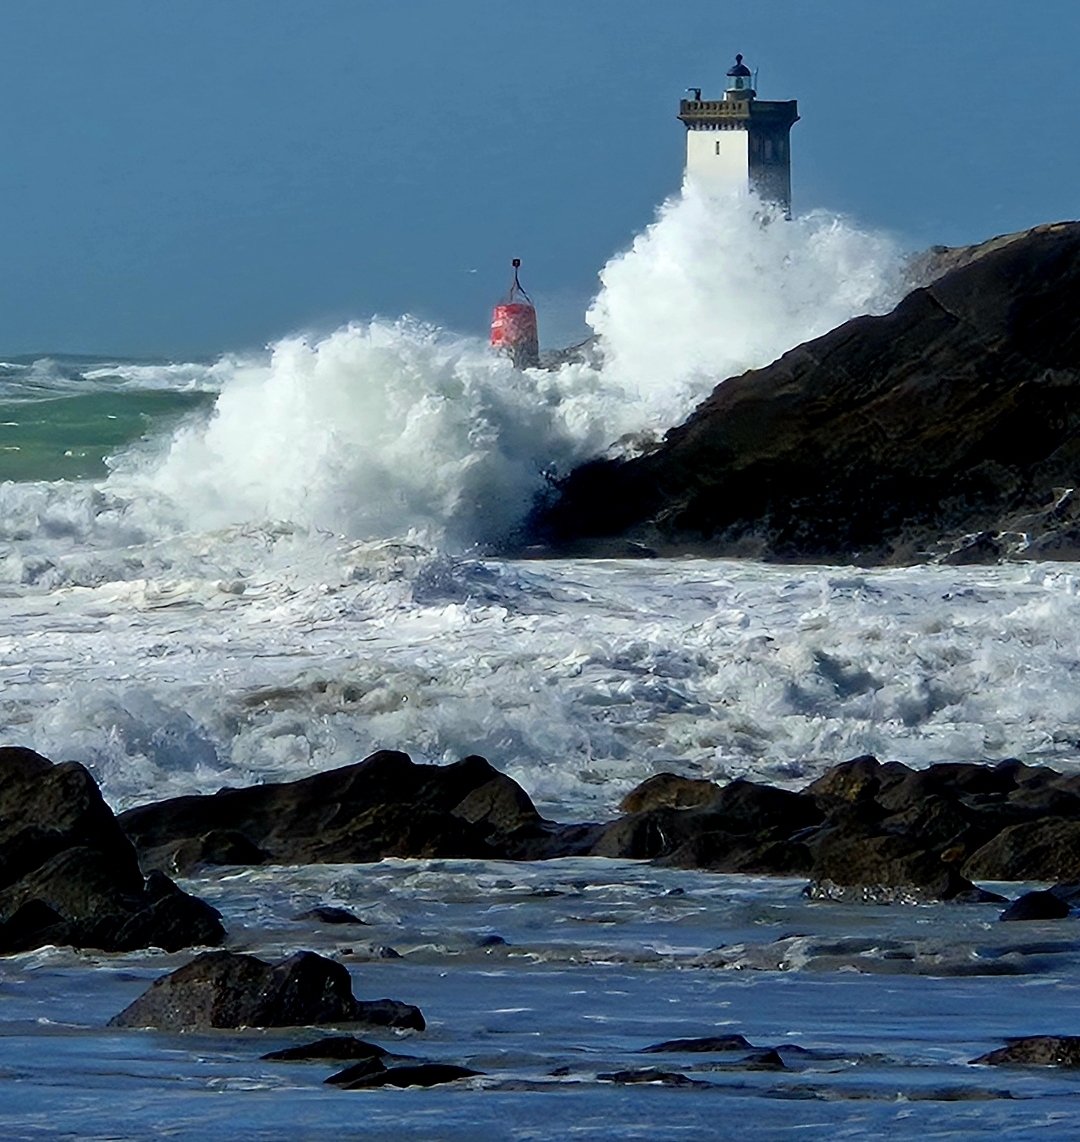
{"x": 740, "y": 141}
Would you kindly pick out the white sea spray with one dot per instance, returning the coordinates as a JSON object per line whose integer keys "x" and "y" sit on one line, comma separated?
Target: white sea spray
{"x": 289, "y": 578}
{"x": 719, "y": 285}
{"x": 381, "y": 427}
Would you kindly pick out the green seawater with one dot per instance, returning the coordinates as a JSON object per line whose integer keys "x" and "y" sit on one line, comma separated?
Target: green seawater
{"x": 68, "y": 437}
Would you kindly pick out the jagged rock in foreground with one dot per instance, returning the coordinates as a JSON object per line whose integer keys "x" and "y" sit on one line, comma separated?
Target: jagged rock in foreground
{"x": 949, "y": 427}
{"x": 227, "y": 989}
{"x": 384, "y": 806}
{"x": 870, "y": 831}
{"x": 69, "y": 875}
{"x": 1035, "y": 1051}
{"x": 865, "y": 831}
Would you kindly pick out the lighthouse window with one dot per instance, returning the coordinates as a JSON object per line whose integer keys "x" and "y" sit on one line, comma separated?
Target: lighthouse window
{"x": 717, "y": 146}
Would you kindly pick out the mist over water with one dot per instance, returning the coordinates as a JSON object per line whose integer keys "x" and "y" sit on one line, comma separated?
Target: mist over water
{"x": 390, "y": 428}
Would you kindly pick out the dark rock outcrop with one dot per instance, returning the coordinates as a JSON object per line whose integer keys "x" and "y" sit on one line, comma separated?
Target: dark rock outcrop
{"x": 950, "y": 426}
{"x": 227, "y": 989}
{"x": 368, "y": 1065}
{"x": 894, "y": 833}
{"x": 864, "y": 831}
{"x": 69, "y": 875}
{"x": 384, "y": 806}
{"x": 1036, "y": 906}
{"x": 374, "y": 1073}
{"x": 651, "y": 1075}
{"x": 1045, "y": 848}
{"x": 1035, "y": 1051}
{"x": 334, "y": 1047}
{"x": 744, "y": 827}
{"x": 669, "y": 791}
{"x": 702, "y": 1044}
{"x": 879, "y": 832}
{"x": 330, "y": 914}
{"x": 874, "y": 832}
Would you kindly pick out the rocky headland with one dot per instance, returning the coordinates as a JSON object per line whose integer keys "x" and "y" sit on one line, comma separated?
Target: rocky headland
{"x": 947, "y": 429}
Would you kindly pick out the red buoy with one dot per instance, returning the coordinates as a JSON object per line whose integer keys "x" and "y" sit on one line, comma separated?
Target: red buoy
{"x": 513, "y": 326}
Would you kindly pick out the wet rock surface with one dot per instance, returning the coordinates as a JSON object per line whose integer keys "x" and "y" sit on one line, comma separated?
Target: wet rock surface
{"x": 228, "y": 989}
{"x": 669, "y": 791}
{"x": 845, "y": 448}
{"x": 332, "y": 1047}
{"x": 384, "y": 806}
{"x": 866, "y": 831}
{"x": 1035, "y": 1051}
{"x": 374, "y": 1073}
{"x": 650, "y": 1075}
{"x": 702, "y": 1044}
{"x": 69, "y": 874}
{"x": 1036, "y": 906}
{"x": 330, "y": 914}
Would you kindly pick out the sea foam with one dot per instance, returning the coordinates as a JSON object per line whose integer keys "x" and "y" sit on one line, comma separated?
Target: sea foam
{"x": 386, "y": 428}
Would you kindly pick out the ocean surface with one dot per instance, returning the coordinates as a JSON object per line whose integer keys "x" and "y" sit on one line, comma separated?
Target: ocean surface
{"x": 265, "y": 565}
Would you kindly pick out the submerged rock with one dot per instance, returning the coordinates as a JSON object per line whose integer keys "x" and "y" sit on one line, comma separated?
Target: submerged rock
{"x": 767, "y": 1059}
{"x": 651, "y": 1075}
{"x": 330, "y": 914}
{"x": 332, "y": 1047}
{"x": 704, "y": 1043}
{"x": 228, "y": 989}
{"x": 368, "y": 1065}
{"x": 872, "y": 955}
{"x": 69, "y": 875}
{"x": 375, "y": 1074}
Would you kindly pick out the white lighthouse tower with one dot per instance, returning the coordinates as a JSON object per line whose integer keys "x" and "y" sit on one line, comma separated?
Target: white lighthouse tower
{"x": 740, "y": 141}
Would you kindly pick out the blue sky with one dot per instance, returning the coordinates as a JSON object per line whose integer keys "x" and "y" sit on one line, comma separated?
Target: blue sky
{"x": 191, "y": 177}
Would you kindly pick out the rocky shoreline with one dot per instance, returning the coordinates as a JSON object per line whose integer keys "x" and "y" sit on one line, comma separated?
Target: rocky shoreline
{"x": 865, "y": 831}
{"x": 73, "y": 873}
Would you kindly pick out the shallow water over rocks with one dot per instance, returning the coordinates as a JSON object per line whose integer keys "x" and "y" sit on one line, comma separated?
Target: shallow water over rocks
{"x": 599, "y": 960}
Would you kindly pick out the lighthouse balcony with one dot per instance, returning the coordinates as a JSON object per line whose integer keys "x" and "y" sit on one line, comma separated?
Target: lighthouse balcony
{"x": 715, "y": 112}
{"x": 694, "y": 109}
